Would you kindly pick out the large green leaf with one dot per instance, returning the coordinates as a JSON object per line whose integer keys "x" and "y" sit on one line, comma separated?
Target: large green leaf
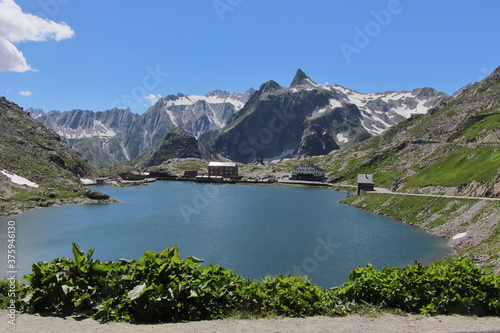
{"x": 78, "y": 253}
{"x": 138, "y": 291}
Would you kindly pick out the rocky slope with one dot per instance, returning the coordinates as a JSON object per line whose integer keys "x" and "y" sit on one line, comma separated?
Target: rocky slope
{"x": 452, "y": 150}
{"x": 276, "y": 121}
{"x": 78, "y": 124}
{"x": 89, "y": 132}
{"x": 116, "y": 136}
{"x": 305, "y": 119}
{"x": 177, "y": 144}
{"x": 195, "y": 114}
{"x": 37, "y": 169}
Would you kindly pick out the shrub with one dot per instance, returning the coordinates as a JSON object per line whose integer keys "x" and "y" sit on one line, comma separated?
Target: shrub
{"x": 287, "y": 295}
{"x": 450, "y": 286}
{"x": 162, "y": 287}
{"x": 10, "y": 289}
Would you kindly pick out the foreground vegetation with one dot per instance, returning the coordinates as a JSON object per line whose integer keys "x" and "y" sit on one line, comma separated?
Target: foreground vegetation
{"x": 162, "y": 287}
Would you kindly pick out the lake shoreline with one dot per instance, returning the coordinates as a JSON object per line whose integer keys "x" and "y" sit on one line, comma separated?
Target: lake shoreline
{"x": 13, "y": 209}
{"x": 198, "y": 209}
{"x": 457, "y": 246}
{"x": 468, "y": 225}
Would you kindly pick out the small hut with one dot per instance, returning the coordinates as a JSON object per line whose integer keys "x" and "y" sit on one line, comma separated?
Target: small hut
{"x": 365, "y": 182}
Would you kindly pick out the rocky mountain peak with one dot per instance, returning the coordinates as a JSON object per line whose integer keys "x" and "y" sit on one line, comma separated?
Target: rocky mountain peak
{"x": 35, "y": 112}
{"x": 463, "y": 89}
{"x": 173, "y": 97}
{"x": 177, "y": 144}
{"x": 219, "y": 93}
{"x": 269, "y": 86}
{"x": 301, "y": 79}
{"x": 247, "y": 94}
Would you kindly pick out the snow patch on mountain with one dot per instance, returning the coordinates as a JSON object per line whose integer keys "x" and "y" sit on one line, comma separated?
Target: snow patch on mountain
{"x": 198, "y": 114}
{"x": 18, "y": 179}
{"x": 383, "y": 110}
{"x": 342, "y": 138}
{"x": 97, "y": 129}
{"x": 335, "y": 103}
{"x": 287, "y": 153}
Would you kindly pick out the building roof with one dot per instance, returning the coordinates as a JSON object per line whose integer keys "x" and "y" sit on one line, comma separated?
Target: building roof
{"x": 222, "y": 164}
{"x": 365, "y": 178}
{"x": 312, "y": 166}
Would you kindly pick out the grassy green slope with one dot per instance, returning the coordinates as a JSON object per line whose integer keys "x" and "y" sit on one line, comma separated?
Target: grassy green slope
{"x": 459, "y": 156}
{"x": 460, "y": 153}
{"x": 30, "y": 150}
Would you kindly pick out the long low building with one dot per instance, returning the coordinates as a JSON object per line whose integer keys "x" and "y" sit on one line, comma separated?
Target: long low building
{"x": 224, "y": 169}
{"x": 308, "y": 171}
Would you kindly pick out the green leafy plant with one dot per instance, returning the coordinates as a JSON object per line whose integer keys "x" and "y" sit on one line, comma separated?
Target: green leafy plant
{"x": 287, "y": 295}
{"x": 9, "y": 290}
{"x": 450, "y": 286}
{"x": 67, "y": 286}
{"x": 162, "y": 287}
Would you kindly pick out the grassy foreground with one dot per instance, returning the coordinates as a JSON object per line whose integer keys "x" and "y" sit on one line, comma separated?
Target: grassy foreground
{"x": 162, "y": 287}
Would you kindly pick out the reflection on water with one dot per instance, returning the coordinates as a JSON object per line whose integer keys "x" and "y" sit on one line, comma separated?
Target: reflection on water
{"x": 253, "y": 230}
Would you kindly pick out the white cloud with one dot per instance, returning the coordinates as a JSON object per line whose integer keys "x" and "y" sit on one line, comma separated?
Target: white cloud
{"x": 484, "y": 70}
{"x": 11, "y": 59}
{"x": 25, "y": 93}
{"x": 16, "y": 26}
{"x": 153, "y": 98}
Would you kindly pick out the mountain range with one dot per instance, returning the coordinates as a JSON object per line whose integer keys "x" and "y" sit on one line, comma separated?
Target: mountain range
{"x": 116, "y": 136}
{"x": 304, "y": 119}
{"x": 452, "y": 150}
{"x": 280, "y": 122}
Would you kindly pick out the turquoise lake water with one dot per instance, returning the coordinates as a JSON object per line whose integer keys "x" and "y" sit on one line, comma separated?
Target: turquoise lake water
{"x": 253, "y": 230}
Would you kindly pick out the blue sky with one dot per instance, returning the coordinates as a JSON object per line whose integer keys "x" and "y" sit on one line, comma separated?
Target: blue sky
{"x": 100, "y": 54}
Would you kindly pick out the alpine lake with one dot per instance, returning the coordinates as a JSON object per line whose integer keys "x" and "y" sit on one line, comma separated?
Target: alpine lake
{"x": 253, "y": 230}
